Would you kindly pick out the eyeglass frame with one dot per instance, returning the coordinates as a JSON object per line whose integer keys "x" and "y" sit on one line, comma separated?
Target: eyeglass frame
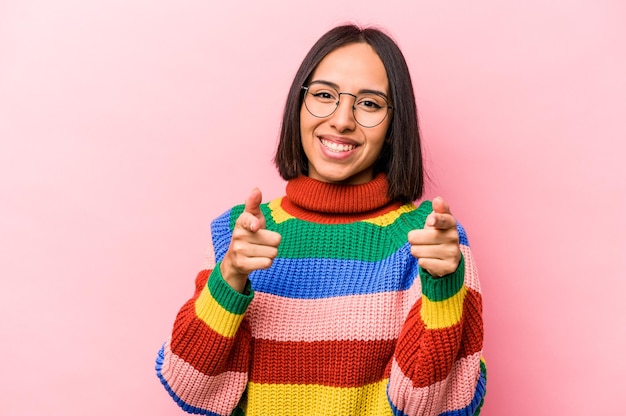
{"x": 305, "y": 88}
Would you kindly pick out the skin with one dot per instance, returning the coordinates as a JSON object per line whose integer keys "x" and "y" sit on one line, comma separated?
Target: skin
{"x": 436, "y": 246}
{"x": 351, "y": 68}
{"x": 252, "y": 247}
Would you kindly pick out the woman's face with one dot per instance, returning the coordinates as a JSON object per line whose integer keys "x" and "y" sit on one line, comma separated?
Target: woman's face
{"x": 339, "y": 149}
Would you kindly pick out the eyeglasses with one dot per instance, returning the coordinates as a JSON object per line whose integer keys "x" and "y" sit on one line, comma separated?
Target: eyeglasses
{"x": 322, "y": 100}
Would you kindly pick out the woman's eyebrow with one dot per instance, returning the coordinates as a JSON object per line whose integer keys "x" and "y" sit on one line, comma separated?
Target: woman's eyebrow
{"x": 361, "y": 91}
{"x": 366, "y": 91}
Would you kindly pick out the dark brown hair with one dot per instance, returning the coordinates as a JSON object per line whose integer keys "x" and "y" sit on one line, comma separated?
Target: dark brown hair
{"x": 401, "y": 156}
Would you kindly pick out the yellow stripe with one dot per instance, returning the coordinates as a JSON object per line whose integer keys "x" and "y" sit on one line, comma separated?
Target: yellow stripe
{"x": 302, "y": 399}
{"x": 445, "y": 313}
{"x": 391, "y": 217}
{"x": 278, "y": 213}
{"x": 219, "y": 319}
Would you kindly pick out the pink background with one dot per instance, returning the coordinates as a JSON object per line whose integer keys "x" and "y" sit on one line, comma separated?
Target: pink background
{"x": 126, "y": 127}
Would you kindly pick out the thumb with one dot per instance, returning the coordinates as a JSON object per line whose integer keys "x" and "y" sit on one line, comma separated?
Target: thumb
{"x": 253, "y": 207}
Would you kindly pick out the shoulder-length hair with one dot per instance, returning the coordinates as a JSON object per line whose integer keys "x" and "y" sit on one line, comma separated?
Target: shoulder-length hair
{"x": 401, "y": 156}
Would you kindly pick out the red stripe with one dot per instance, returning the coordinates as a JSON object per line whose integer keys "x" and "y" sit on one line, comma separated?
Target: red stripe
{"x": 199, "y": 345}
{"x": 332, "y": 218}
{"x": 329, "y": 363}
{"x": 426, "y": 356}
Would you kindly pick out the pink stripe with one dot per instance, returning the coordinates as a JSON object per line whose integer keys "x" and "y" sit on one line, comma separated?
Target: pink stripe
{"x": 471, "y": 273}
{"x": 219, "y": 394}
{"x": 286, "y": 319}
{"x": 455, "y": 392}
{"x": 209, "y": 257}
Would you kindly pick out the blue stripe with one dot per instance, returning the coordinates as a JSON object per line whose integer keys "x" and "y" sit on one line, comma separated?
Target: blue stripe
{"x": 185, "y": 406}
{"x": 472, "y": 409}
{"x": 462, "y": 234}
{"x": 324, "y": 278}
{"x": 313, "y": 278}
{"x": 221, "y": 234}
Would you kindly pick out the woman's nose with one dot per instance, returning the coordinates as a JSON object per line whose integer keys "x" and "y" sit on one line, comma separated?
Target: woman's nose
{"x": 343, "y": 117}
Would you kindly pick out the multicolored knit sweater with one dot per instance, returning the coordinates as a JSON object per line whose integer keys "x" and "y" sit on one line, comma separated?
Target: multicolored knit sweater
{"x": 344, "y": 322}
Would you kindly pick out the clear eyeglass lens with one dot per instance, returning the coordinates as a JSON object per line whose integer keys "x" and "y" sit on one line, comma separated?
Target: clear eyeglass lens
{"x": 322, "y": 100}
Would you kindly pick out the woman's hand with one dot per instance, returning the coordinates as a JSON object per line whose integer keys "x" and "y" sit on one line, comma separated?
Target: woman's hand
{"x": 437, "y": 245}
{"x": 252, "y": 247}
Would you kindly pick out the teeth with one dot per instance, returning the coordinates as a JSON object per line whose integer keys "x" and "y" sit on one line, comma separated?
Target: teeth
{"x": 336, "y": 147}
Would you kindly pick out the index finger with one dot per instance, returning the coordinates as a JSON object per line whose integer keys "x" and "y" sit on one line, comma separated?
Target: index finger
{"x": 440, "y": 206}
{"x": 253, "y": 202}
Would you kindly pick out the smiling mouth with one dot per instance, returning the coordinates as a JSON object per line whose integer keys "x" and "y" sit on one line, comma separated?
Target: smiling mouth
{"x": 337, "y": 147}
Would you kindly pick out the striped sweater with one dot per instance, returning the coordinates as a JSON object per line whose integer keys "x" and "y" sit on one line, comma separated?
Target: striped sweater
{"x": 344, "y": 322}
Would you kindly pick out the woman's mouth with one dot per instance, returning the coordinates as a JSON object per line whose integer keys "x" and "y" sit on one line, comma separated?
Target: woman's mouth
{"x": 337, "y": 147}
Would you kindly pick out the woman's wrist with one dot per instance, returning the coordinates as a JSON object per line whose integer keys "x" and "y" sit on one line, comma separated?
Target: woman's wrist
{"x": 235, "y": 280}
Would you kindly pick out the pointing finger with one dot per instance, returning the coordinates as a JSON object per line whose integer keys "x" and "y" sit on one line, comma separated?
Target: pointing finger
{"x": 252, "y": 218}
{"x": 253, "y": 202}
{"x": 440, "y": 206}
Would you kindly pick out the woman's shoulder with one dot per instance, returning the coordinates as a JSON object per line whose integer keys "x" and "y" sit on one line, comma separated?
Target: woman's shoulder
{"x": 414, "y": 213}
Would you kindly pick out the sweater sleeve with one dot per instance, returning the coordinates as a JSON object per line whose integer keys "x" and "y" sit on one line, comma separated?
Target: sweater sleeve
{"x": 438, "y": 367}
{"x": 204, "y": 364}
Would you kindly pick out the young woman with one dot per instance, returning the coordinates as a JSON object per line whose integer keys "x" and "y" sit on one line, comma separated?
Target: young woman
{"x": 342, "y": 297}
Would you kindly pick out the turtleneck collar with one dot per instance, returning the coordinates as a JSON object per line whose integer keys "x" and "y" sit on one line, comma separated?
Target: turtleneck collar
{"x": 329, "y": 198}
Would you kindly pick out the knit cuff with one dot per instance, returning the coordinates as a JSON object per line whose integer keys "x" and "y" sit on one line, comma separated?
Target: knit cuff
{"x": 226, "y": 296}
{"x": 442, "y": 288}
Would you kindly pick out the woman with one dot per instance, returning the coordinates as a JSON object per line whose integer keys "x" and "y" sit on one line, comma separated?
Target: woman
{"x": 342, "y": 297}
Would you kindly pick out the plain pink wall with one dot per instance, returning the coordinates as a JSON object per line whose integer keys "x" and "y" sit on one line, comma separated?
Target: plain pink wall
{"x": 126, "y": 126}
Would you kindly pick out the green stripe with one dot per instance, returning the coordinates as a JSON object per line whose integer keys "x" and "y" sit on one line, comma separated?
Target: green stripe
{"x": 442, "y": 288}
{"x": 226, "y": 296}
{"x": 236, "y": 212}
{"x": 304, "y": 239}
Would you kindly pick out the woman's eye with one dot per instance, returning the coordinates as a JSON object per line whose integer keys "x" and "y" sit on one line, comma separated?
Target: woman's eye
{"x": 369, "y": 104}
{"x": 324, "y": 95}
